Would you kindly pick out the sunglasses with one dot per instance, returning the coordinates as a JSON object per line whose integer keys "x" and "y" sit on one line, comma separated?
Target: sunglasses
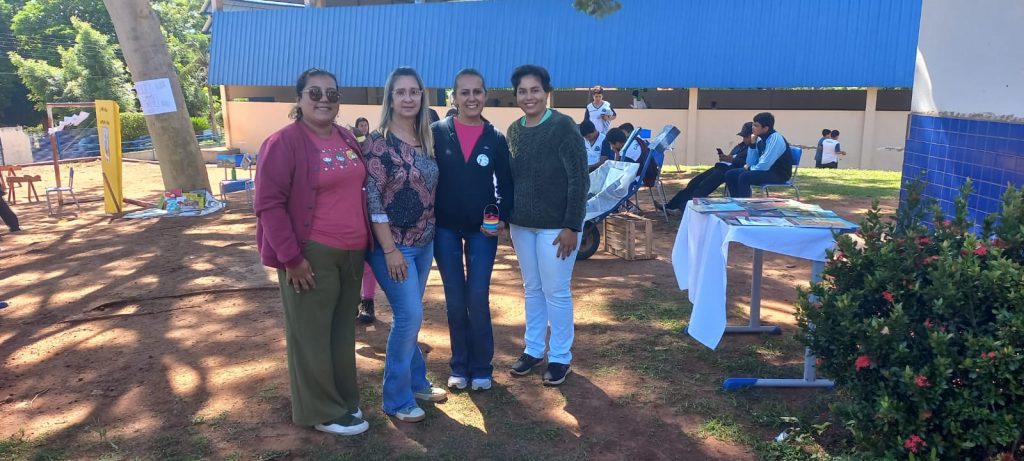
{"x": 316, "y": 94}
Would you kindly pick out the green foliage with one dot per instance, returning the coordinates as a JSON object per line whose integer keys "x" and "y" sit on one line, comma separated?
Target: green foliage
{"x": 924, "y": 329}
{"x": 15, "y": 109}
{"x": 89, "y": 70}
{"x": 597, "y": 8}
{"x": 133, "y": 125}
{"x": 40, "y": 26}
{"x": 200, "y": 124}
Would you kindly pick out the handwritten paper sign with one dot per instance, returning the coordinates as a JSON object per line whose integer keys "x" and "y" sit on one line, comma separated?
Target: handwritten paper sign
{"x": 155, "y": 96}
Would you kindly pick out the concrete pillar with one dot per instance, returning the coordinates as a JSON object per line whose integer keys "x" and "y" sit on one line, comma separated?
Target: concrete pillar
{"x": 867, "y": 142}
{"x": 226, "y": 115}
{"x": 691, "y": 128}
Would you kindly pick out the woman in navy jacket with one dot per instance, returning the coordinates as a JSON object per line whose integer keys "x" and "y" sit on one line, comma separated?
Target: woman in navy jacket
{"x": 472, "y": 157}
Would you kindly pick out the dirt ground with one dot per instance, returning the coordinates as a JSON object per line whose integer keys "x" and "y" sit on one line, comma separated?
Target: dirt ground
{"x": 163, "y": 339}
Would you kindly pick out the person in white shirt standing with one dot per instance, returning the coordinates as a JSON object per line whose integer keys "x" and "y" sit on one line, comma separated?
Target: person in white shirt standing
{"x": 599, "y": 111}
{"x": 830, "y": 151}
{"x": 639, "y": 101}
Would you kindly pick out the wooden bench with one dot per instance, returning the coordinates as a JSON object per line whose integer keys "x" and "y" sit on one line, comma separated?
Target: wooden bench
{"x": 17, "y": 181}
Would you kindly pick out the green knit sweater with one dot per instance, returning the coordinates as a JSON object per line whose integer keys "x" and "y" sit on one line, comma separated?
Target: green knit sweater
{"x": 549, "y": 170}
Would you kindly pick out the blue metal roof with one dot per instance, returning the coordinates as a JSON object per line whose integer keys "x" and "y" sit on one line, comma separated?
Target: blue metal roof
{"x": 648, "y": 43}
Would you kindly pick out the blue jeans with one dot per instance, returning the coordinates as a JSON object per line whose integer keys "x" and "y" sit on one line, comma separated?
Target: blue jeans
{"x": 738, "y": 181}
{"x": 405, "y": 371}
{"x": 546, "y": 280}
{"x": 467, "y": 293}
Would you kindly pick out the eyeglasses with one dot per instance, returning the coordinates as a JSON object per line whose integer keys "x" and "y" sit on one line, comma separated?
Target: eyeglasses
{"x": 402, "y": 93}
{"x": 316, "y": 94}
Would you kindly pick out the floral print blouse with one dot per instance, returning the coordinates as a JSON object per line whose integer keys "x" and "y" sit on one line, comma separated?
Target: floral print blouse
{"x": 401, "y": 184}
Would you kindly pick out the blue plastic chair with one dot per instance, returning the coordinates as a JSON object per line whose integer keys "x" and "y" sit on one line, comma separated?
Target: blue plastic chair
{"x": 231, "y": 185}
{"x": 797, "y": 152}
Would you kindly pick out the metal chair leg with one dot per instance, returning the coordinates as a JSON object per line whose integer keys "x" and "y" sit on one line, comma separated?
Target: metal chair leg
{"x": 77, "y": 205}
{"x": 49, "y": 206}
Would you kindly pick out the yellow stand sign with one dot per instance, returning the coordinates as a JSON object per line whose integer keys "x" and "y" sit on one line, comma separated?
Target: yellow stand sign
{"x": 108, "y": 125}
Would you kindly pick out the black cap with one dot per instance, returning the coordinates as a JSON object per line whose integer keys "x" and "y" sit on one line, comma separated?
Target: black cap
{"x": 747, "y": 130}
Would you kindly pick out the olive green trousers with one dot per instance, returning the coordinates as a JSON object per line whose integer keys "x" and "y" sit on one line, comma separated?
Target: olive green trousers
{"x": 320, "y": 333}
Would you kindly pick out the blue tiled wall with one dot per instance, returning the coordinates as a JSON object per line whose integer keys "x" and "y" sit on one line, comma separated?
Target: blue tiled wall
{"x": 946, "y": 151}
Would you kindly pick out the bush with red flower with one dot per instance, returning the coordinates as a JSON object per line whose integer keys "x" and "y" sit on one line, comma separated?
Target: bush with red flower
{"x": 922, "y": 329}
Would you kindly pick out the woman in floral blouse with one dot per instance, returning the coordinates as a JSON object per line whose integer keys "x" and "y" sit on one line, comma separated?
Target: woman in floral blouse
{"x": 400, "y": 190}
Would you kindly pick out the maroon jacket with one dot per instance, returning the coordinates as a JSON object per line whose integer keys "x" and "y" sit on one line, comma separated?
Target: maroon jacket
{"x": 287, "y": 176}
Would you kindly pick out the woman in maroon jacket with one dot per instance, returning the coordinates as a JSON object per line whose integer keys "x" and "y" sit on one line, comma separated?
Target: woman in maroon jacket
{"x": 312, "y": 226}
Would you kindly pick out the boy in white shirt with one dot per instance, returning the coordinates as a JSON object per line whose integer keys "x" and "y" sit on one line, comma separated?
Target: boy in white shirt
{"x": 592, "y": 141}
{"x": 830, "y": 151}
{"x": 600, "y": 112}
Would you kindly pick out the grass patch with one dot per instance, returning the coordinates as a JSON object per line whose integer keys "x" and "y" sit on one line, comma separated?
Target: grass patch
{"x": 533, "y": 432}
{"x": 187, "y": 445}
{"x": 816, "y": 184}
{"x": 840, "y": 184}
{"x": 726, "y": 430}
{"x": 268, "y": 394}
{"x": 269, "y": 455}
{"x": 15, "y": 447}
{"x": 651, "y": 306}
{"x": 672, "y": 365}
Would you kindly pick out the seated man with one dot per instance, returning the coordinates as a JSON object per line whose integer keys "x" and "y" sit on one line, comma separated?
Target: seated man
{"x": 614, "y": 140}
{"x": 633, "y": 153}
{"x": 707, "y": 182}
{"x": 769, "y": 160}
{"x": 593, "y": 142}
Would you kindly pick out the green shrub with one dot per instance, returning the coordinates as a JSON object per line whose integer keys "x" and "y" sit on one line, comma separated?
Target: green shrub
{"x": 133, "y": 125}
{"x": 923, "y": 327}
{"x": 200, "y": 124}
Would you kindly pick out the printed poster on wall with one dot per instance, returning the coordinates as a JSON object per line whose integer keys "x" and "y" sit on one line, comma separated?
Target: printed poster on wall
{"x": 156, "y": 96}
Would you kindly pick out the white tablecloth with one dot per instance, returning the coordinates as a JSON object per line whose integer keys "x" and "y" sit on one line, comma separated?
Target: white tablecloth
{"x": 700, "y": 253}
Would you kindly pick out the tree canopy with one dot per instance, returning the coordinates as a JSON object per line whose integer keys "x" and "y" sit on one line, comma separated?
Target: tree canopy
{"x": 44, "y": 56}
{"x": 87, "y": 71}
{"x": 597, "y": 8}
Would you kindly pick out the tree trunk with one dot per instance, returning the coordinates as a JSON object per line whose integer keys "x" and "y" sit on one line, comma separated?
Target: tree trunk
{"x": 138, "y": 32}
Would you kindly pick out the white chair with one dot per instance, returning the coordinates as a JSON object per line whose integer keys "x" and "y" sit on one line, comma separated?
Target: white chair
{"x": 70, "y": 188}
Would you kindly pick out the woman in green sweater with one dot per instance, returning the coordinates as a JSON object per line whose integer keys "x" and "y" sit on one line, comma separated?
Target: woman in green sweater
{"x": 549, "y": 172}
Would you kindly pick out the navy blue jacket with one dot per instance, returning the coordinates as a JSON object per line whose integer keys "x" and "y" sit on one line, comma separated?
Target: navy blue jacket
{"x": 464, "y": 189}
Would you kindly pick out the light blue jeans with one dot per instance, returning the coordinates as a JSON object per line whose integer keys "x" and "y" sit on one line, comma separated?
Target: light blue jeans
{"x": 405, "y": 372}
{"x": 546, "y": 280}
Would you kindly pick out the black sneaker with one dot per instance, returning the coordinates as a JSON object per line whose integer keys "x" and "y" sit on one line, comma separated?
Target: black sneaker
{"x": 366, "y": 311}
{"x": 556, "y": 374}
{"x": 525, "y": 363}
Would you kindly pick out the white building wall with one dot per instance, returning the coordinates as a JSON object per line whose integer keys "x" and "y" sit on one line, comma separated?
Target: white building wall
{"x": 970, "y": 63}
{"x": 250, "y": 123}
{"x": 17, "y": 149}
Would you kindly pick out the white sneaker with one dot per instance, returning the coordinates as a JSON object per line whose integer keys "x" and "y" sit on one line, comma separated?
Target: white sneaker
{"x": 337, "y": 429}
{"x": 481, "y": 384}
{"x": 433, "y": 394}
{"x": 456, "y": 382}
{"x": 411, "y": 414}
